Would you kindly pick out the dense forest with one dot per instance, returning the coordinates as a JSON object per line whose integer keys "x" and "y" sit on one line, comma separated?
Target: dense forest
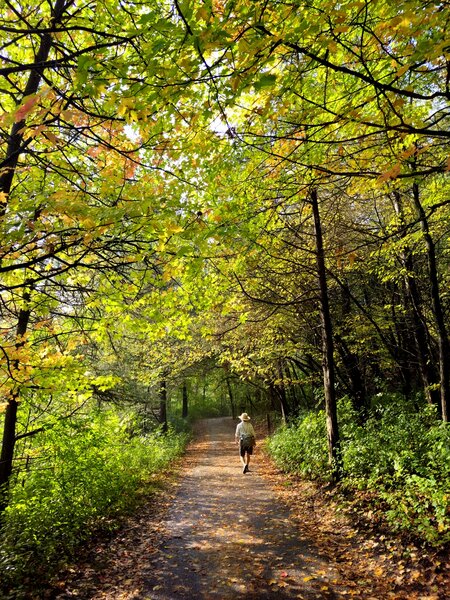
{"x": 211, "y": 206}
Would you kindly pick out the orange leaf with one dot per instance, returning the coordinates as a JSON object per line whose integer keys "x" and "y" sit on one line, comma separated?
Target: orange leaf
{"x": 25, "y": 108}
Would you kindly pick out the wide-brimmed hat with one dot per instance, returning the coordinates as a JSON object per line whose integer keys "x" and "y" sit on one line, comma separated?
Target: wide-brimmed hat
{"x": 244, "y": 417}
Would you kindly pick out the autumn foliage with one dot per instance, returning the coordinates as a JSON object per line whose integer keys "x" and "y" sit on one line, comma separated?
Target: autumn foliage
{"x": 242, "y": 205}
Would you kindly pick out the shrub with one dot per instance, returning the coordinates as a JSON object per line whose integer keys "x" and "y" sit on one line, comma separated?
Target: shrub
{"x": 83, "y": 473}
{"x": 401, "y": 453}
{"x": 301, "y": 447}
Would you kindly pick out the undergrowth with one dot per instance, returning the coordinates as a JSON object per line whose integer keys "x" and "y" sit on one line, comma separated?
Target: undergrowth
{"x": 400, "y": 453}
{"x": 82, "y": 475}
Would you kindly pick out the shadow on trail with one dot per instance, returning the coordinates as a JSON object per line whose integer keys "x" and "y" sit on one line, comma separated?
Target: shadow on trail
{"x": 229, "y": 537}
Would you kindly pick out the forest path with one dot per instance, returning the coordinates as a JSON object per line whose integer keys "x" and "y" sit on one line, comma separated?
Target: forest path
{"x": 220, "y": 535}
{"x": 228, "y": 536}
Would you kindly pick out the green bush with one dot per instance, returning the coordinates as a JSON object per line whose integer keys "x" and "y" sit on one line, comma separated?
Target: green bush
{"x": 83, "y": 473}
{"x": 301, "y": 447}
{"x": 401, "y": 453}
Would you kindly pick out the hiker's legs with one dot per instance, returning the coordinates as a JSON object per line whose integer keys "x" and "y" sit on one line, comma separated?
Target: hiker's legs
{"x": 242, "y": 454}
{"x": 248, "y": 454}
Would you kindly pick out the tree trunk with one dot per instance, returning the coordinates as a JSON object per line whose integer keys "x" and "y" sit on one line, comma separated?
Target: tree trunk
{"x": 184, "y": 410}
{"x": 420, "y": 330}
{"x": 281, "y": 390}
{"x": 350, "y": 359}
{"x": 327, "y": 347}
{"x": 294, "y": 401}
{"x": 356, "y": 382}
{"x": 438, "y": 313}
{"x": 163, "y": 405}
{"x": 230, "y": 395}
{"x": 10, "y": 423}
{"x": 277, "y": 399}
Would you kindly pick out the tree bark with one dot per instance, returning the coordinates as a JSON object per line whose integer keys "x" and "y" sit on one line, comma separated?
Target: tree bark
{"x": 438, "y": 312}
{"x": 356, "y": 381}
{"x": 230, "y": 395}
{"x": 351, "y": 362}
{"x": 328, "y": 367}
{"x": 10, "y": 423}
{"x": 281, "y": 390}
{"x": 184, "y": 409}
{"x": 163, "y": 405}
{"x": 277, "y": 399}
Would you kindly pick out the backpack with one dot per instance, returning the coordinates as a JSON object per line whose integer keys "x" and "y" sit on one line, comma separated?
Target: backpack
{"x": 247, "y": 440}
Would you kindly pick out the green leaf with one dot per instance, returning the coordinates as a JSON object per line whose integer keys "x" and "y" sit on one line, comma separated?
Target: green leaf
{"x": 265, "y": 81}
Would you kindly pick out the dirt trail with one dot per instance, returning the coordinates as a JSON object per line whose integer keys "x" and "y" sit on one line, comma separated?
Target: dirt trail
{"x": 222, "y": 535}
{"x": 229, "y": 537}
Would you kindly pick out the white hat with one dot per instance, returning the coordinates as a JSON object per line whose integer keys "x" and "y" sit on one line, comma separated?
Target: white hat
{"x": 244, "y": 417}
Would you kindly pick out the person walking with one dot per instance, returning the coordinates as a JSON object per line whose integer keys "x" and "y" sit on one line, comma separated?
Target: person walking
{"x": 245, "y": 437}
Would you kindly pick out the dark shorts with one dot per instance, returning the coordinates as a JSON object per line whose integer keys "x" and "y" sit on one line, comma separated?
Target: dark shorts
{"x": 244, "y": 449}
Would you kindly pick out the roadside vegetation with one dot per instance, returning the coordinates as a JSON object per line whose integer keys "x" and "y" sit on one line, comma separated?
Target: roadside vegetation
{"x": 80, "y": 477}
{"x": 400, "y": 455}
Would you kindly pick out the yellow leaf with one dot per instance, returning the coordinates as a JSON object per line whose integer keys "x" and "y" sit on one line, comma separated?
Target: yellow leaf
{"x": 174, "y": 228}
{"x": 202, "y": 14}
{"x": 51, "y": 137}
{"x": 341, "y": 29}
{"x": 402, "y": 70}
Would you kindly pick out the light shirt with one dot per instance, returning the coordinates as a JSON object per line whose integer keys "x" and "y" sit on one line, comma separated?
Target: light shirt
{"x": 244, "y": 427}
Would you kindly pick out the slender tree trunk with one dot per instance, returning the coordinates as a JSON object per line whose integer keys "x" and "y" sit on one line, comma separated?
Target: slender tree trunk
{"x": 327, "y": 347}
{"x": 277, "y": 398}
{"x": 420, "y": 330}
{"x": 10, "y": 422}
{"x": 163, "y": 404}
{"x": 350, "y": 359}
{"x": 403, "y": 341}
{"x": 281, "y": 389}
{"x": 438, "y": 312}
{"x": 184, "y": 410}
{"x": 356, "y": 381}
{"x": 230, "y": 395}
{"x": 292, "y": 388}
{"x": 424, "y": 354}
